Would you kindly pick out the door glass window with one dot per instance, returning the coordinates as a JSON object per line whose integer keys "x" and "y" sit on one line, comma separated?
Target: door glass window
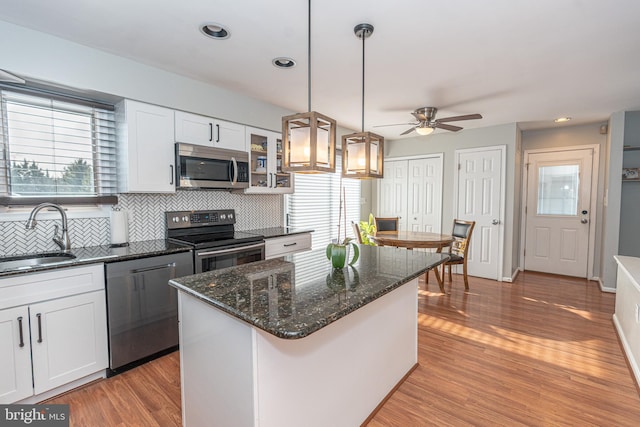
{"x": 558, "y": 190}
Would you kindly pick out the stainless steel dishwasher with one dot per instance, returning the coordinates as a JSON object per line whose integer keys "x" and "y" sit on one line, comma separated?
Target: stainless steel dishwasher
{"x": 142, "y": 308}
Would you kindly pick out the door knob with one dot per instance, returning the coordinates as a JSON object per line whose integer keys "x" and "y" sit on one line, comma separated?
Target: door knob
{"x": 584, "y": 220}
{"x": 495, "y": 222}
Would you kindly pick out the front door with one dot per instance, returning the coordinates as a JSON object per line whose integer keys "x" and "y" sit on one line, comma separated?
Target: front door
{"x": 557, "y": 212}
{"x": 480, "y": 198}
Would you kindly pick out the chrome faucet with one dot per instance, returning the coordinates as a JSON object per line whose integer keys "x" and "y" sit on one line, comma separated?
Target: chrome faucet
{"x": 61, "y": 240}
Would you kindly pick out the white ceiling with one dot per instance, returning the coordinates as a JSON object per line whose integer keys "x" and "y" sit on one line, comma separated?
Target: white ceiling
{"x": 512, "y": 61}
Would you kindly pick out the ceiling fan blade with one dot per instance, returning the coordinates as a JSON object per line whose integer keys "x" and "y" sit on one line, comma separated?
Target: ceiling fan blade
{"x": 448, "y": 127}
{"x": 395, "y": 124}
{"x": 408, "y": 131}
{"x": 456, "y": 118}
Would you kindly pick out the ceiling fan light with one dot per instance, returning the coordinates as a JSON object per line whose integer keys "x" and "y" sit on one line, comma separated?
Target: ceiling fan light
{"x": 424, "y": 130}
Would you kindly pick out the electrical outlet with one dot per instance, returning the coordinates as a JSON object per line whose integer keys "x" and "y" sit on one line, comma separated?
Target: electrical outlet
{"x": 637, "y": 313}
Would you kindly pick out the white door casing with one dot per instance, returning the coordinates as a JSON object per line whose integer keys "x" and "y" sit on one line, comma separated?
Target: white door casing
{"x": 559, "y": 211}
{"x": 480, "y": 197}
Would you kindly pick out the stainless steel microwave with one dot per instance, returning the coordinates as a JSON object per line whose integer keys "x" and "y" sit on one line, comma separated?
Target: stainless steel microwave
{"x": 198, "y": 166}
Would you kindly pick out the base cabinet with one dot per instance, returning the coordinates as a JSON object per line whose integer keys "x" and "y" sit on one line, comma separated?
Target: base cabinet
{"x": 55, "y": 341}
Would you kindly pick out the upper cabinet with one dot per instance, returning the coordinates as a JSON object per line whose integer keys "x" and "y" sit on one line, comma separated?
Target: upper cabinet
{"x": 145, "y": 148}
{"x": 201, "y": 130}
{"x": 265, "y": 159}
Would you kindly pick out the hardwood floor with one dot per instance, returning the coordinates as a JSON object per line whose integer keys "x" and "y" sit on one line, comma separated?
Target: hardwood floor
{"x": 539, "y": 351}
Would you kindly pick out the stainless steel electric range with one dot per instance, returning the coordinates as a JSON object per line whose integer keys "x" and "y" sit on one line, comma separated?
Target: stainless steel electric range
{"x": 212, "y": 235}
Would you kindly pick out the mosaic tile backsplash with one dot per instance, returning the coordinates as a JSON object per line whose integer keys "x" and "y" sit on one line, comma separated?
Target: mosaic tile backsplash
{"x": 146, "y": 219}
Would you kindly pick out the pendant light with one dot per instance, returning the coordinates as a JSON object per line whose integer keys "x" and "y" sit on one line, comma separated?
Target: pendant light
{"x": 362, "y": 152}
{"x": 309, "y": 139}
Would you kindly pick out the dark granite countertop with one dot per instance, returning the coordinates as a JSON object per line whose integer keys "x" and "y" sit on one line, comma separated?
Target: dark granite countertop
{"x": 276, "y": 231}
{"x": 294, "y": 296}
{"x": 105, "y": 253}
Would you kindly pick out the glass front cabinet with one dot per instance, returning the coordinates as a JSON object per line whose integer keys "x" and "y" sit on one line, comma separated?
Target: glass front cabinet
{"x": 265, "y": 152}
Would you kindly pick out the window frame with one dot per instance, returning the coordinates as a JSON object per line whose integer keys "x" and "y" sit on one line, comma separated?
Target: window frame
{"x": 9, "y": 201}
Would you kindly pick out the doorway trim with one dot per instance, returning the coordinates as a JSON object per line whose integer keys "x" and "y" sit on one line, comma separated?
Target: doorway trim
{"x": 503, "y": 195}
{"x": 595, "y": 174}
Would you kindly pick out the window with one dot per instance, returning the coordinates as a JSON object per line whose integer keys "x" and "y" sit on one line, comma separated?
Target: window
{"x": 55, "y": 149}
{"x": 315, "y": 205}
{"x": 558, "y": 190}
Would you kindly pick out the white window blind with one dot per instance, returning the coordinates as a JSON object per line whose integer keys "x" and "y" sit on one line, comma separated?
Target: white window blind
{"x": 55, "y": 148}
{"x": 315, "y": 205}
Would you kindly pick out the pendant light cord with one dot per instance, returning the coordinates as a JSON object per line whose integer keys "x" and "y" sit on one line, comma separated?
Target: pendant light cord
{"x": 309, "y": 60}
{"x": 363, "y": 38}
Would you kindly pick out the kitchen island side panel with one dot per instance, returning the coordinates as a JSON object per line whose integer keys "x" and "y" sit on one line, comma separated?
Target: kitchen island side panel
{"x": 335, "y": 376}
{"x": 216, "y": 366}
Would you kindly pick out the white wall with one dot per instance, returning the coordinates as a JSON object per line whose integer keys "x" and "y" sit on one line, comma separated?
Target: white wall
{"x": 447, "y": 143}
{"x": 37, "y": 55}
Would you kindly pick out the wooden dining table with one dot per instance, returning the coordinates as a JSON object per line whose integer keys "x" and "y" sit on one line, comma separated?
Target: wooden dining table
{"x": 414, "y": 240}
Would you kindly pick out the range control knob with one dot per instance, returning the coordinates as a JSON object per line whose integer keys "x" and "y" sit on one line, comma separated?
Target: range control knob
{"x": 185, "y": 218}
{"x": 175, "y": 219}
{"x": 230, "y": 216}
{"x": 223, "y": 217}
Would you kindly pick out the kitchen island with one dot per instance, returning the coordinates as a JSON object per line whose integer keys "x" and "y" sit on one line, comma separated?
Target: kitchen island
{"x": 289, "y": 341}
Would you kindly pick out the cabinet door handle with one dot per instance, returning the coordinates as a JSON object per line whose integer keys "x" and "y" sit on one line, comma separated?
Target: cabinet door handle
{"x": 171, "y": 183}
{"x": 210, "y": 132}
{"x": 218, "y": 130}
{"x": 20, "y": 329}
{"x": 39, "y": 316}
{"x": 290, "y": 244}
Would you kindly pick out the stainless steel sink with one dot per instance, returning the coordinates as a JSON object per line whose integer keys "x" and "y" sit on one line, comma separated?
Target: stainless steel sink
{"x": 22, "y": 262}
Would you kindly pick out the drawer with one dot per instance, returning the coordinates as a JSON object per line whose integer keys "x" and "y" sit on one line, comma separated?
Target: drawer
{"x": 57, "y": 283}
{"x": 280, "y": 246}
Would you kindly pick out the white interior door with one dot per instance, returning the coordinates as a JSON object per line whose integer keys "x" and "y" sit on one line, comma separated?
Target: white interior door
{"x": 557, "y": 212}
{"x": 392, "y": 195}
{"x": 424, "y": 196}
{"x": 480, "y": 198}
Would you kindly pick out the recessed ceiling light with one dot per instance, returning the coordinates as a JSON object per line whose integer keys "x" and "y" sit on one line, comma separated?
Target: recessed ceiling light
{"x": 562, "y": 119}
{"x": 283, "y": 62}
{"x": 215, "y": 31}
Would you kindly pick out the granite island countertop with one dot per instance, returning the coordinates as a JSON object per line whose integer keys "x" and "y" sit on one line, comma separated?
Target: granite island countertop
{"x": 294, "y": 296}
{"x": 105, "y": 253}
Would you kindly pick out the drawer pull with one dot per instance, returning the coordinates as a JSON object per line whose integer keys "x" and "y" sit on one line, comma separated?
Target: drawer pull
{"x": 39, "y": 316}
{"x": 290, "y": 244}
{"x": 20, "y": 329}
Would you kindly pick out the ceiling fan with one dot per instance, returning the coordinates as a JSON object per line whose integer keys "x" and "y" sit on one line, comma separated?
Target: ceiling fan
{"x": 427, "y": 122}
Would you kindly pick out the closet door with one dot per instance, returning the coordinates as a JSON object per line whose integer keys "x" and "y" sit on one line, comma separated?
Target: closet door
{"x": 392, "y": 192}
{"x": 424, "y": 195}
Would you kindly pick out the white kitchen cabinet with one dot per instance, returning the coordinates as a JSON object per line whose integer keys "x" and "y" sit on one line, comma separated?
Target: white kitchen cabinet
{"x": 55, "y": 326}
{"x": 15, "y": 355}
{"x": 265, "y": 163}
{"x": 146, "y": 153}
{"x": 285, "y": 245}
{"x": 202, "y": 130}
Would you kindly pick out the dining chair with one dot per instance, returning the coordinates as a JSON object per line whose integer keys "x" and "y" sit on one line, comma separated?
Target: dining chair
{"x": 356, "y": 231}
{"x": 386, "y": 225}
{"x": 459, "y": 248}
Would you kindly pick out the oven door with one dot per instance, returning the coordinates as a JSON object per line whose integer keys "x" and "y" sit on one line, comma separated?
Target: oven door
{"x": 213, "y": 259}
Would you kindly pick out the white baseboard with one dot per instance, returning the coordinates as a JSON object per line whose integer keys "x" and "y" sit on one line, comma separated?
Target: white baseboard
{"x": 627, "y": 350}
{"x": 604, "y": 288}
{"x": 513, "y": 276}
